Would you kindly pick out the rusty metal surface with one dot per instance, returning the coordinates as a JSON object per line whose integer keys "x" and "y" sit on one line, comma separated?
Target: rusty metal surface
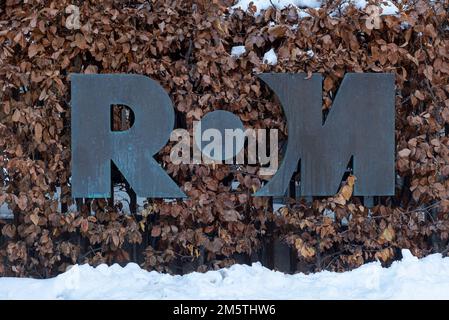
{"x": 359, "y": 124}
{"x": 94, "y": 145}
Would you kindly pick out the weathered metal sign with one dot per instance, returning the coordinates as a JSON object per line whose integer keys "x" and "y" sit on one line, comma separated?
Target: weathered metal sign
{"x": 360, "y": 125}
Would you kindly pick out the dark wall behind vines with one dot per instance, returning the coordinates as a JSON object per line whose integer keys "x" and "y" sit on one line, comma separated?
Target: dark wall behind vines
{"x": 185, "y": 46}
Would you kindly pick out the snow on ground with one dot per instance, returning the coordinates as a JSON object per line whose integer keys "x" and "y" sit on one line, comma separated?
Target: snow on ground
{"x": 410, "y": 278}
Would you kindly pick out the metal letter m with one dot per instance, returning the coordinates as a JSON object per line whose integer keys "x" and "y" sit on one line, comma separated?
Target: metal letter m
{"x": 360, "y": 124}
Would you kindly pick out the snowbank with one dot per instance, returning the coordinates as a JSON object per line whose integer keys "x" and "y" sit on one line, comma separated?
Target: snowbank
{"x": 410, "y": 278}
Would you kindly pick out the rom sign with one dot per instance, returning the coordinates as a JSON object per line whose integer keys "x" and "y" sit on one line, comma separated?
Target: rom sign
{"x": 360, "y": 126}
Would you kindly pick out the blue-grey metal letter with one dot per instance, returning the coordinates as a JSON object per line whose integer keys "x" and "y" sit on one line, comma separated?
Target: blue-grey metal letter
{"x": 94, "y": 145}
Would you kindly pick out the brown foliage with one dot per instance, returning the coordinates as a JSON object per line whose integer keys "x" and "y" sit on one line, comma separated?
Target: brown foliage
{"x": 185, "y": 46}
